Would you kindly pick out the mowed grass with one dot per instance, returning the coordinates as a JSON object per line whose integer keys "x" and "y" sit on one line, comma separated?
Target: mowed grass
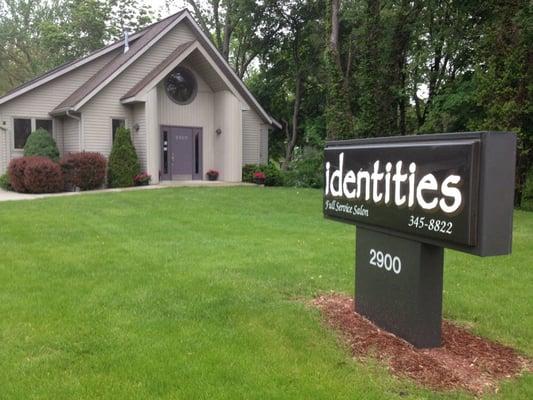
{"x": 201, "y": 293}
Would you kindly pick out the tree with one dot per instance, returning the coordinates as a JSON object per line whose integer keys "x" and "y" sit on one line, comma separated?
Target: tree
{"x": 123, "y": 163}
{"x": 338, "y": 112}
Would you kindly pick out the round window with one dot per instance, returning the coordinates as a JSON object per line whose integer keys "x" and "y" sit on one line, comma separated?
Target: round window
{"x": 181, "y": 86}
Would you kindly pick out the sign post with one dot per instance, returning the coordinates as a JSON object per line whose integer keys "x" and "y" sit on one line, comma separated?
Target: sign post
{"x": 410, "y": 197}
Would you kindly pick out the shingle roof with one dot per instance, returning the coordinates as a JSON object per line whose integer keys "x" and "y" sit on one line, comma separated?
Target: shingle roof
{"x": 157, "y": 70}
{"x": 117, "y": 62}
{"x": 64, "y": 66}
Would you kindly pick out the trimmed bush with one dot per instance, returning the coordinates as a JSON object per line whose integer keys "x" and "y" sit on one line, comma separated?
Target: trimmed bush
{"x": 41, "y": 143}
{"x": 123, "y": 162}
{"x": 84, "y": 170}
{"x": 15, "y": 172}
{"x": 5, "y": 183}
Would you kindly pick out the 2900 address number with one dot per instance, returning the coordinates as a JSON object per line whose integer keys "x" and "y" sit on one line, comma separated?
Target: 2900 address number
{"x": 385, "y": 260}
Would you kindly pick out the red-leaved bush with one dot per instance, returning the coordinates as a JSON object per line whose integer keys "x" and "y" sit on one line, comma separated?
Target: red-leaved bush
{"x": 85, "y": 170}
{"x": 15, "y": 171}
{"x": 41, "y": 175}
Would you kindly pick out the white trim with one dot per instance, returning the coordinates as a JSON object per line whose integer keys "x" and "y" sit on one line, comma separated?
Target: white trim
{"x": 141, "y": 95}
{"x": 63, "y": 71}
{"x": 146, "y": 47}
{"x": 261, "y": 109}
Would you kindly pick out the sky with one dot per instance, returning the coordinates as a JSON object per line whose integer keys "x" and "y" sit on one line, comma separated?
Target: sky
{"x": 160, "y": 5}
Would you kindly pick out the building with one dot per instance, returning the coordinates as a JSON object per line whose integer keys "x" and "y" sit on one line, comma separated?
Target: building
{"x": 187, "y": 110}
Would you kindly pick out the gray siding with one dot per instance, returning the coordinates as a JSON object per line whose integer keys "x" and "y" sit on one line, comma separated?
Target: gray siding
{"x": 104, "y": 106}
{"x": 251, "y": 137}
{"x": 40, "y": 101}
{"x": 71, "y": 135}
{"x": 263, "y": 151}
{"x": 4, "y": 155}
{"x": 139, "y": 136}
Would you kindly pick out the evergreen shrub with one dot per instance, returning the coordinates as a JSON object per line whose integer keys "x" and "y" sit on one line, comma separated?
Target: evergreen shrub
{"x": 123, "y": 163}
{"x": 41, "y": 143}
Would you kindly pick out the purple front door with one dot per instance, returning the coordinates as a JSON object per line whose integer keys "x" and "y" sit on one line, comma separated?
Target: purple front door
{"x": 181, "y": 153}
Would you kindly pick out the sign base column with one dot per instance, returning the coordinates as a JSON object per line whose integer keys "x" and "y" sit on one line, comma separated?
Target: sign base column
{"x": 398, "y": 286}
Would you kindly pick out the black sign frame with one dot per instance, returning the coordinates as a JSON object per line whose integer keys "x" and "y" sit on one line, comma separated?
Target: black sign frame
{"x": 492, "y": 194}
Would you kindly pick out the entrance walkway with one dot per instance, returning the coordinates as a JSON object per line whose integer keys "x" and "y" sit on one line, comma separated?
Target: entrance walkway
{"x": 13, "y": 196}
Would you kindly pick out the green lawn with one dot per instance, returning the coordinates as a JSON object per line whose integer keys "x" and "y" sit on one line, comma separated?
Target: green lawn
{"x": 200, "y": 293}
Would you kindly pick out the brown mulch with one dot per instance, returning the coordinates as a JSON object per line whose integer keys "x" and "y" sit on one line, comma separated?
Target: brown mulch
{"x": 464, "y": 362}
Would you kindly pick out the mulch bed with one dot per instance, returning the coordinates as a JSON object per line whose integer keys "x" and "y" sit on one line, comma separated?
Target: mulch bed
{"x": 464, "y": 362}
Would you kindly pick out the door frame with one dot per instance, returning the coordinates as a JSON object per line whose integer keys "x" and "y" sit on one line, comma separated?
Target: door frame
{"x": 197, "y": 156}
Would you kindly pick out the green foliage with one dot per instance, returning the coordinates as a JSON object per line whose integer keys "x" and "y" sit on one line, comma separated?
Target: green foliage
{"x": 5, "y": 182}
{"x": 527, "y": 200}
{"x": 307, "y": 169}
{"x": 273, "y": 175}
{"x": 123, "y": 163}
{"x": 41, "y": 143}
{"x": 40, "y": 35}
{"x": 102, "y": 285}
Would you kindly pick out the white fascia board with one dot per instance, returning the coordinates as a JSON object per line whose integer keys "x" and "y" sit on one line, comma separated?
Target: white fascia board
{"x": 143, "y": 92}
{"x": 201, "y": 32}
{"x": 127, "y": 64}
{"x": 65, "y": 70}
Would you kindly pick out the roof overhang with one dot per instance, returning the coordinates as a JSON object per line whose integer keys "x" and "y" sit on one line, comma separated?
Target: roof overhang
{"x": 64, "y": 69}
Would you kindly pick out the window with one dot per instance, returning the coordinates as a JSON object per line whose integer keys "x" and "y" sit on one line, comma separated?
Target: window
{"x": 22, "y": 127}
{"x": 181, "y": 86}
{"x": 45, "y": 124}
{"x": 117, "y": 123}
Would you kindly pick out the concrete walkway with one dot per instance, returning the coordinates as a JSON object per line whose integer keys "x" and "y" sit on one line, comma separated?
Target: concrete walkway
{"x": 13, "y": 196}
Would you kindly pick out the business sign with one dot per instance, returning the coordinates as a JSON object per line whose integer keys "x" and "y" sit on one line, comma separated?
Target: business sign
{"x": 410, "y": 197}
{"x": 441, "y": 189}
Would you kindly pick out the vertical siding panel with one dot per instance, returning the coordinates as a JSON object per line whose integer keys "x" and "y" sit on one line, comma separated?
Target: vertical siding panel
{"x": 71, "y": 135}
{"x": 139, "y": 136}
{"x": 251, "y": 137}
{"x": 3, "y": 151}
{"x": 263, "y": 153}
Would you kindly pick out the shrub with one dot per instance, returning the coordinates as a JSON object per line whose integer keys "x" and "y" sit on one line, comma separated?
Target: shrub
{"x": 249, "y": 170}
{"x": 259, "y": 178}
{"x": 5, "y": 183}
{"x": 307, "y": 170}
{"x": 15, "y": 172}
{"x": 143, "y": 179}
{"x": 123, "y": 162}
{"x": 41, "y": 143}
{"x": 42, "y": 175}
{"x": 85, "y": 170}
{"x": 273, "y": 175}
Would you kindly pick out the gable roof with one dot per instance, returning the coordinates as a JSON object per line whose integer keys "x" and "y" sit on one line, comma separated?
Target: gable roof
{"x": 71, "y": 65}
{"x": 140, "y": 42}
{"x": 116, "y": 65}
{"x": 157, "y": 70}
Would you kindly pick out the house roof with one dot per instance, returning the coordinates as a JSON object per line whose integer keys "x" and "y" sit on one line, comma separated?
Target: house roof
{"x": 140, "y": 42}
{"x": 157, "y": 70}
{"x": 115, "y": 64}
{"x": 70, "y": 65}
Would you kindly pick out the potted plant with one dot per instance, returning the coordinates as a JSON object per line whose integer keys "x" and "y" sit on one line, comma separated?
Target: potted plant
{"x": 212, "y": 174}
{"x": 259, "y": 178}
{"x": 143, "y": 179}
